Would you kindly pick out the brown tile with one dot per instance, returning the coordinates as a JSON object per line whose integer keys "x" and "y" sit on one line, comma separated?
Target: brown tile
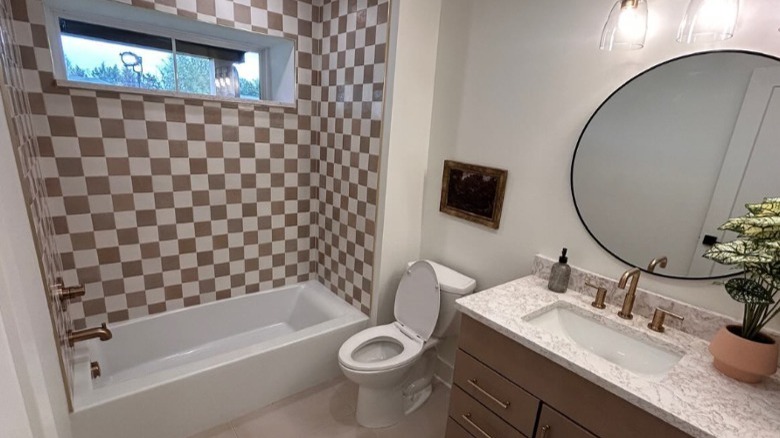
{"x": 173, "y": 292}
{"x": 178, "y": 149}
{"x": 94, "y": 307}
{"x": 76, "y": 204}
{"x": 84, "y": 106}
{"x": 133, "y": 110}
{"x": 123, "y": 202}
{"x": 108, "y": 255}
{"x": 146, "y": 218}
{"x": 136, "y": 299}
{"x": 150, "y": 250}
{"x": 137, "y": 148}
{"x": 142, "y": 184}
{"x": 118, "y": 316}
{"x": 174, "y": 113}
{"x": 91, "y": 147}
{"x": 156, "y": 308}
{"x": 103, "y": 221}
{"x": 196, "y": 132}
{"x": 82, "y": 241}
{"x": 127, "y": 236}
{"x": 69, "y": 167}
{"x": 157, "y": 130}
{"x": 274, "y": 21}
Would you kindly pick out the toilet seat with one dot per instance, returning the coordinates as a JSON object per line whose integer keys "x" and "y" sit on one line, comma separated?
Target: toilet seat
{"x": 411, "y": 348}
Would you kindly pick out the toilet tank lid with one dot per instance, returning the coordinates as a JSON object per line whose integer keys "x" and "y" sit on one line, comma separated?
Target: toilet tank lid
{"x": 451, "y": 281}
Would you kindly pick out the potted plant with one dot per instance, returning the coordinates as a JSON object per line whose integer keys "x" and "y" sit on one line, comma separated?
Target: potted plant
{"x": 743, "y": 352}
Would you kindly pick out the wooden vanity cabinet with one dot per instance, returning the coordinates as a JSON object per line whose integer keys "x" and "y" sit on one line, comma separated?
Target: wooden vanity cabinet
{"x": 502, "y": 389}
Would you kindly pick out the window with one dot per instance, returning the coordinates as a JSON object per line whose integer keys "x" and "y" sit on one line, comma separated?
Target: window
{"x": 157, "y": 57}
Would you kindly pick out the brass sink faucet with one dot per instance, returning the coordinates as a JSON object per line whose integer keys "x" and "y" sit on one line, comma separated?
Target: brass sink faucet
{"x": 101, "y": 332}
{"x": 628, "y": 302}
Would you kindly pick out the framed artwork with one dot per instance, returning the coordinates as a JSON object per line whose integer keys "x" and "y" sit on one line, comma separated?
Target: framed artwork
{"x": 474, "y": 193}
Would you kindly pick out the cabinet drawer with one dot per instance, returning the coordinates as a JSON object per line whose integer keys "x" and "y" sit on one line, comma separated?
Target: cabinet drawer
{"x": 498, "y": 394}
{"x": 477, "y": 419}
{"x": 554, "y": 425}
{"x": 454, "y": 430}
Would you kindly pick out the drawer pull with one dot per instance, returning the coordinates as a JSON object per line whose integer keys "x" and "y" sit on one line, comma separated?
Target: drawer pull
{"x": 545, "y": 430}
{"x": 473, "y": 382}
{"x": 467, "y": 419}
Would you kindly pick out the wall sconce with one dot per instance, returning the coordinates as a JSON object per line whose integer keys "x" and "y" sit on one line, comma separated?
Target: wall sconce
{"x": 708, "y": 20}
{"x": 704, "y": 21}
{"x": 626, "y": 26}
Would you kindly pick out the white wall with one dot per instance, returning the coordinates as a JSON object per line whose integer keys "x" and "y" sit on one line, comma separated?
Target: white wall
{"x": 14, "y": 421}
{"x": 516, "y": 81}
{"x": 407, "y": 126}
{"x": 24, "y": 313}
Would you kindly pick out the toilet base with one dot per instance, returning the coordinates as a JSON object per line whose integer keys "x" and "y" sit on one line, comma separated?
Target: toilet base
{"x": 379, "y": 407}
{"x": 415, "y": 400}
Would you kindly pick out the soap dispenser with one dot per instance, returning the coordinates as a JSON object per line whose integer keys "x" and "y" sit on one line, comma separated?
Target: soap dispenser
{"x": 559, "y": 274}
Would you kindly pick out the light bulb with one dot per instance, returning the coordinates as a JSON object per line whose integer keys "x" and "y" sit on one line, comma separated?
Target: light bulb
{"x": 626, "y": 26}
{"x": 708, "y": 20}
{"x": 717, "y": 13}
{"x": 630, "y": 21}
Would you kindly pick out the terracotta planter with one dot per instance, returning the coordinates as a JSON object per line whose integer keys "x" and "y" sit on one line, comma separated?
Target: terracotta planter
{"x": 741, "y": 359}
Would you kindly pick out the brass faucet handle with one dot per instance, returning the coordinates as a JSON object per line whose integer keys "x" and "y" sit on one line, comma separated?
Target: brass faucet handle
{"x": 601, "y": 296}
{"x": 71, "y": 292}
{"x": 659, "y": 316}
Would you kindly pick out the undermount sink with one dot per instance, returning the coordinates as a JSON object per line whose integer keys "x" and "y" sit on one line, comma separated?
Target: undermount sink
{"x": 631, "y": 353}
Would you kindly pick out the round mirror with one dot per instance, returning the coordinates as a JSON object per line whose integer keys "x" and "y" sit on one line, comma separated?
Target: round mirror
{"x": 676, "y": 151}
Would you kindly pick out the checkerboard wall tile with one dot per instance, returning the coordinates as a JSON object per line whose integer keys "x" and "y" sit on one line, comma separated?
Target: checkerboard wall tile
{"x": 354, "y": 42}
{"x": 25, "y": 146}
{"x": 161, "y": 203}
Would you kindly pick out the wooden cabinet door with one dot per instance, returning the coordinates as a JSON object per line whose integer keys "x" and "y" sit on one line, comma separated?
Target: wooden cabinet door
{"x": 497, "y": 393}
{"x": 477, "y": 419}
{"x": 552, "y": 424}
{"x": 454, "y": 430}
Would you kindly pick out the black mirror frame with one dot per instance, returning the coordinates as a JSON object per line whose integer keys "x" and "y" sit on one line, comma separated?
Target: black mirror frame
{"x": 582, "y": 133}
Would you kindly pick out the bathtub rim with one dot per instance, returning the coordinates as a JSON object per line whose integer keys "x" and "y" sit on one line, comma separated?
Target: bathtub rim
{"x": 86, "y": 396}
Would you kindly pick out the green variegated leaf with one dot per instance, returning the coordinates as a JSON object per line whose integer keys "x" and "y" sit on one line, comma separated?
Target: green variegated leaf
{"x": 770, "y": 207}
{"x": 760, "y": 227}
{"x": 741, "y": 252}
{"x": 757, "y": 252}
{"x": 748, "y": 291}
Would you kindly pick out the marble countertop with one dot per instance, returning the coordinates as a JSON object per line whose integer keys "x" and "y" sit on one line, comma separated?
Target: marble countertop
{"x": 693, "y": 396}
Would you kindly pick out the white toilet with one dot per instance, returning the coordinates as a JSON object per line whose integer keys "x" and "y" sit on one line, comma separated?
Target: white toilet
{"x": 393, "y": 364}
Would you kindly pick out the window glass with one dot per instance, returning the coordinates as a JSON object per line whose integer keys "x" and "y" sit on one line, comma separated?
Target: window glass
{"x": 249, "y": 76}
{"x": 217, "y": 71}
{"x": 106, "y": 56}
{"x": 196, "y": 74}
{"x": 117, "y": 57}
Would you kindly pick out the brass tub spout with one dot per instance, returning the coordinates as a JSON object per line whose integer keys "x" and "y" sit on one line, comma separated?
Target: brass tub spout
{"x": 101, "y": 332}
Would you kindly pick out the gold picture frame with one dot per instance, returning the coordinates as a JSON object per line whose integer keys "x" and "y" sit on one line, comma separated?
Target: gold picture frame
{"x": 474, "y": 193}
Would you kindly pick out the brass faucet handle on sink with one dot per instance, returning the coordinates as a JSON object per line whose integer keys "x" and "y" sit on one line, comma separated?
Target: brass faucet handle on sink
{"x": 657, "y": 324}
{"x": 601, "y": 295}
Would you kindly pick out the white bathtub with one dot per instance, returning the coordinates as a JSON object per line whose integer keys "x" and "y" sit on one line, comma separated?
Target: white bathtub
{"x": 181, "y": 372}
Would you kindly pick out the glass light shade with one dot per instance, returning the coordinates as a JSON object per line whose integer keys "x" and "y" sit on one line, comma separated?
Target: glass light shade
{"x": 626, "y": 26}
{"x": 708, "y": 20}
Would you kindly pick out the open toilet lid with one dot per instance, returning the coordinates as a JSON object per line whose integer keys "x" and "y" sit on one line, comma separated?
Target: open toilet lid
{"x": 417, "y": 300}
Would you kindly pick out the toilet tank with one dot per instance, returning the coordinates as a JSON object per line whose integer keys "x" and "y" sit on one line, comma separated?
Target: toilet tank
{"x": 453, "y": 285}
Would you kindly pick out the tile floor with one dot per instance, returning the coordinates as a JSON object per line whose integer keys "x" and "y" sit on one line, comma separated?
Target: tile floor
{"x": 329, "y": 411}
